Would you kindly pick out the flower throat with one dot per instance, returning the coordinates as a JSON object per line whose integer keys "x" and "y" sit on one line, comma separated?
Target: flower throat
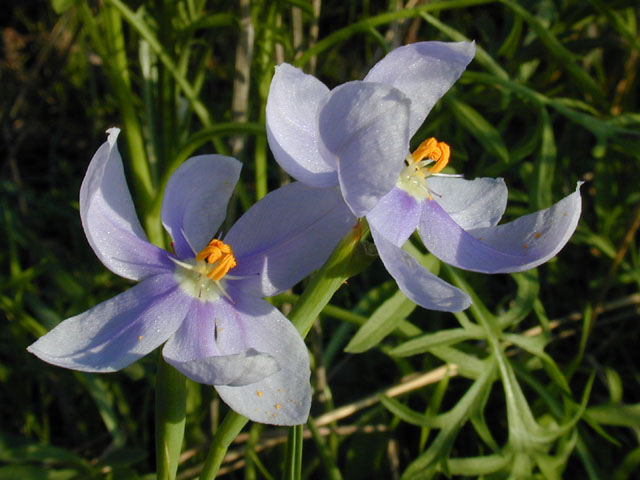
{"x": 428, "y": 159}
{"x": 203, "y": 276}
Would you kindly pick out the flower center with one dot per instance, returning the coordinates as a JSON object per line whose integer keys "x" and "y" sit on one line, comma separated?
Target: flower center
{"x": 220, "y": 256}
{"x": 428, "y": 159}
{"x": 203, "y": 277}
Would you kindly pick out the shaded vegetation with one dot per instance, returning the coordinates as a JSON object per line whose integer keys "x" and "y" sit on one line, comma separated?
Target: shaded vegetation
{"x": 537, "y": 379}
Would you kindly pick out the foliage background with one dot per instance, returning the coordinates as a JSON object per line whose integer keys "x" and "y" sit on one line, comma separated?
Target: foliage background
{"x": 551, "y": 99}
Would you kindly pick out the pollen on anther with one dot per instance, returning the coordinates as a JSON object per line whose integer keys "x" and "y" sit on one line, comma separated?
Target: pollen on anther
{"x": 139, "y": 337}
{"x": 258, "y": 393}
{"x": 538, "y": 234}
{"x": 525, "y": 246}
{"x": 278, "y": 406}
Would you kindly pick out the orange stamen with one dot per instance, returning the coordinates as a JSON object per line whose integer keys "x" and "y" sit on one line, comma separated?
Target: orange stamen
{"x": 220, "y": 255}
{"x": 439, "y": 152}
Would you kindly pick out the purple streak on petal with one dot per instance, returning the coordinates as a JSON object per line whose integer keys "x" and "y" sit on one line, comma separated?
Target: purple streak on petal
{"x": 471, "y": 203}
{"x": 292, "y": 126}
{"x": 283, "y": 398}
{"x": 109, "y": 218}
{"x": 513, "y": 247}
{"x": 287, "y": 235}
{"x": 195, "y": 201}
{"x": 416, "y": 282}
{"x": 364, "y": 128}
{"x": 424, "y": 72}
{"x": 397, "y": 215}
{"x": 194, "y": 349}
{"x": 117, "y": 332}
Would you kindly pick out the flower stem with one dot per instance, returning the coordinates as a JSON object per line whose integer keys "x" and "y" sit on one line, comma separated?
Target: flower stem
{"x": 171, "y": 400}
{"x": 327, "y": 281}
{"x": 228, "y": 431}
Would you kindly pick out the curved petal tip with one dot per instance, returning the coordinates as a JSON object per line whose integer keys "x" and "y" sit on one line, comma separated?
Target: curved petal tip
{"x": 113, "y": 135}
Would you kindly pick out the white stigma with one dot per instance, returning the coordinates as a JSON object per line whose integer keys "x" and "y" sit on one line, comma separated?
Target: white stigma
{"x": 192, "y": 278}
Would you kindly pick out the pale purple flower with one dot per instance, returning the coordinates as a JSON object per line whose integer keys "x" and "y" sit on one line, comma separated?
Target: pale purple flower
{"x": 217, "y": 329}
{"x": 357, "y": 136}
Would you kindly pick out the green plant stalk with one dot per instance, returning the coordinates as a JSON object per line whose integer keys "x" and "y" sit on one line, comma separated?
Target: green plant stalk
{"x": 309, "y": 305}
{"x": 293, "y": 459}
{"x": 166, "y": 87}
{"x": 171, "y": 401}
{"x": 111, "y": 49}
{"x": 265, "y": 60}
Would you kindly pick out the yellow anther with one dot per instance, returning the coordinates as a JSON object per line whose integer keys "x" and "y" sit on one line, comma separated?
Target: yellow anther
{"x": 439, "y": 152}
{"x": 220, "y": 255}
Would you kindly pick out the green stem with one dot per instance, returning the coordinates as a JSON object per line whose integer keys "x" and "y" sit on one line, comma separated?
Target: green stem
{"x": 309, "y": 305}
{"x": 327, "y": 281}
{"x": 110, "y": 46}
{"x": 226, "y": 434}
{"x": 171, "y": 400}
{"x": 293, "y": 464}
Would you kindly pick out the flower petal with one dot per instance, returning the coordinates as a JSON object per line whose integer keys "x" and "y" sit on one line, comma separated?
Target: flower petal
{"x": 109, "y": 218}
{"x": 194, "y": 350}
{"x": 416, "y": 282}
{"x": 117, "y": 332}
{"x": 283, "y": 398}
{"x": 364, "y": 128}
{"x": 292, "y": 125}
{"x": 397, "y": 215}
{"x": 513, "y": 247}
{"x": 195, "y": 201}
{"x": 470, "y": 203}
{"x": 424, "y": 72}
{"x": 287, "y": 235}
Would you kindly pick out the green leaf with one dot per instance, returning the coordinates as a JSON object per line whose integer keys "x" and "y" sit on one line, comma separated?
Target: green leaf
{"x": 411, "y": 416}
{"x": 616, "y": 414}
{"x": 614, "y": 382}
{"x": 486, "y": 134}
{"x": 479, "y": 421}
{"x": 426, "y": 342}
{"x": 425, "y": 465}
{"x": 475, "y": 466}
{"x": 28, "y": 472}
{"x": 35, "y": 452}
{"x": 61, "y": 6}
{"x": 365, "y": 25}
{"x": 599, "y": 127}
{"x": 383, "y": 321}
{"x": 466, "y": 365}
{"x": 482, "y": 57}
{"x": 545, "y": 165}
{"x": 528, "y": 290}
{"x": 535, "y": 346}
{"x": 629, "y": 464}
{"x": 99, "y": 390}
{"x": 434, "y": 406}
{"x": 477, "y": 308}
{"x": 563, "y": 57}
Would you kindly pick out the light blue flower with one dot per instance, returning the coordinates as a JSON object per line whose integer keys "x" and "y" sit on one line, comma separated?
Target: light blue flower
{"x": 357, "y": 136}
{"x": 204, "y": 300}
